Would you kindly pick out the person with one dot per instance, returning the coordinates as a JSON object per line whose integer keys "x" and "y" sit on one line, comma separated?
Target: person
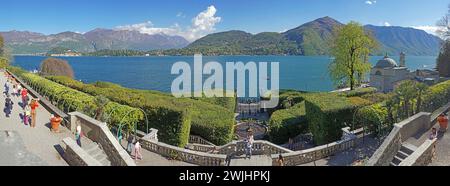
{"x": 8, "y": 106}
{"x": 120, "y": 137}
{"x": 19, "y": 89}
{"x": 14, "y": 90}
{"x": 249, "y": 144}
{"x": 443, "y": 122}
{"x": 33, "y": 105}
{"x": 433, "y": 133}
{"x": 6, "y": 92}
{"x": 130, "y": 142}
{"x": 137, "y": 150}
{"x": 228, "y": 159}
{"x": 55, "y": 121}
{"x": 26, "y": 114}
{"x": 280, "y": 160}
{"x": 78, "y": 135}
{"x": 24, "y": 94}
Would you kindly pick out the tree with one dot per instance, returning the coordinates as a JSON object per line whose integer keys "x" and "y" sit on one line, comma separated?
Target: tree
{"x": 2, "y": 45}
{"x": 350, "y": 47}
{"x": 56, "y": 67}
{"x": 443, "y": 60}
{"x": 100, "y": 102}
{"x": 421, "y": 91}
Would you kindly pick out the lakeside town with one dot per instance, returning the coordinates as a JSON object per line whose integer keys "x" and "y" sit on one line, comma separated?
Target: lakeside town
{"x": 382, "y": 114}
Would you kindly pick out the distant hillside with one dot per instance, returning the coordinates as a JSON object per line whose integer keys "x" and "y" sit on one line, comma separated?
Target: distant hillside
{"x": 311, "y": 38}
{"x": 394, "y": 40}
{"x": 24, "y": 42}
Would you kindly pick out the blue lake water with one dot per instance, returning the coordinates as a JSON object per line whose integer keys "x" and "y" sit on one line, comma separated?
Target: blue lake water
{"x": 154, "y": 73}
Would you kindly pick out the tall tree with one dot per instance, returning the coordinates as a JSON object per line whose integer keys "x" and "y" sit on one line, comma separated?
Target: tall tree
{"x": 443, "y": 60}
{"x": 351, "y": 47}
{"x": 2, "y": 45}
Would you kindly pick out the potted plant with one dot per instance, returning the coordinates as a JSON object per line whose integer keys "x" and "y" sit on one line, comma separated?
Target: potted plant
{"x": 55, "y": 122}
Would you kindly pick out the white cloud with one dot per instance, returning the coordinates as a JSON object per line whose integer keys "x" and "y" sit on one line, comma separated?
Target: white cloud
{"x": 386, "y": 24}
{"x": 203, "y": 24}
{"x": 429, "y": 29}
{"x": 181, "y": 14}
{"x": 371, "y": 2}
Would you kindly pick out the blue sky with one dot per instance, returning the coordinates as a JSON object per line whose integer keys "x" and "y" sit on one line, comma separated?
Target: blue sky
{"x": 177, "y": 17}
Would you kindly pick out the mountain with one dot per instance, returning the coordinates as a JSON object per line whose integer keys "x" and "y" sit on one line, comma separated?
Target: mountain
{"x": 24, "y": 42}
{"x": 313, "y": 38}
{"x": 394, "y": 39}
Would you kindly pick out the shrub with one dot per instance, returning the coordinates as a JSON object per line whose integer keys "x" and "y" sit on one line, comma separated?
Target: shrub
{"x": 287, "y": 123}
{"x": 437, "y": 96}
{"x": 56, "y": 67}
{"x": 359, "y": 92}
{"x": 3, "y": 62}
{"x": 327, "y": 114}
{"x": 377, "y": 97}
{"x": 212, "y": 122}
{"x": 374, "y": 117}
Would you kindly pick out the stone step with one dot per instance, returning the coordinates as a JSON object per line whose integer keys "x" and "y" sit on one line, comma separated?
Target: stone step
{"x": 393, "y": 164}
{"x": 91, "y": 147}
{"x": 396, "y": 160}
{"x": 408, "y": 148}
{"x": 402, "y": 154}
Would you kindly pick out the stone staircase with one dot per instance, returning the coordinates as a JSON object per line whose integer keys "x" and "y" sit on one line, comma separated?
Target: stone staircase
{"x": 94, "y": 150}
{"x": 405, "y": 151}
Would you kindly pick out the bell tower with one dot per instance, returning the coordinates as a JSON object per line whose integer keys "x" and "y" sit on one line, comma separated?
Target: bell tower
{"x": 402, "y": 59}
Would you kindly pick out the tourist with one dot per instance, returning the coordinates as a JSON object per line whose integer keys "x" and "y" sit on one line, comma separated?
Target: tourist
{"x": 137, "y": 150}
{"x": 130, "y": 142}
{"x": 14, "y": 90}
{"x": 26, "y": 114}
{"x": 78, "y": 135}
{"x": 249, "y": 144}
{"x": 24, "y": 94}
{"x": 34, "y": 105}
{"x": 443, "y": 122}
{"x": 433, "y": 133}
{"x": 280, "y": 160}
{"x": 8, "y": 106}
{"x": 19, "y": 89}
{"x": 6, "y": 92}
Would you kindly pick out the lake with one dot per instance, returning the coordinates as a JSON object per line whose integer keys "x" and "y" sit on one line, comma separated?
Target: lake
{"x": 153, "y": 73}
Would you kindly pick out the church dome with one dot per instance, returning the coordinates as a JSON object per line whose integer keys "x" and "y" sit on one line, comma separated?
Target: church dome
{"x": 386, "y": 62}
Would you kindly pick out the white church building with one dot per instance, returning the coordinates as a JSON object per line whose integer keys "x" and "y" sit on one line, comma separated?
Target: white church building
{"x": 386, "y": 74}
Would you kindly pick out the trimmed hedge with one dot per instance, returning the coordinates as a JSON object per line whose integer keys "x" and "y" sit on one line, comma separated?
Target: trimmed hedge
{"x": 327, "y": 114}
{"x": 359, "y": 92}
{"x": 287, "y": 123}
{"x": 212, "y": 122}
{"x": 3, "y": 62}
{"x": 69, "y": 100}
{"x": 437, "y": 96}
{"x": 374, "y": 117}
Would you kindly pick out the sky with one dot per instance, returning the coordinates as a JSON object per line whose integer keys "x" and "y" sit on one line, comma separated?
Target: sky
{"x": 193, "y": 19}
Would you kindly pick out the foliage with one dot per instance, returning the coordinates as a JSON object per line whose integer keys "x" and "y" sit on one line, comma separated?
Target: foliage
{"x": 3, "y": 62}
{"x": 437, "y": 96}
{"x": 168, "y": 114}
{"x": 351, "y": 47}
{"x": 287, "y": 123}
{"x": 69, "y": 100}
{"x": 56, "y": 67}
{"x": 374, "y": 117}
{"x": 443, "y": 60}
{"x": 359, "y": 92}
{"x": 327, "y": 114}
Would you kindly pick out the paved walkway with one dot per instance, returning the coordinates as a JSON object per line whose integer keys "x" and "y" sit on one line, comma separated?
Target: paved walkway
{"x": 38, "y": 141}
{"x": 442, "y": 149}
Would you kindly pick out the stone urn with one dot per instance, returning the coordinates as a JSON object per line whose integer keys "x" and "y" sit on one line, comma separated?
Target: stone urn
{"x": 55, "y": 122}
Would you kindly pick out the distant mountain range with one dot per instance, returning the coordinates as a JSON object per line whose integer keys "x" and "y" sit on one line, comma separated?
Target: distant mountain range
{"x": 311, "y": 38}
{"x": 24, "y": 42}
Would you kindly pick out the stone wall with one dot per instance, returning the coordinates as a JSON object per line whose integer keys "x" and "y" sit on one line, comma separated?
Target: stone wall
{"x": 76, "y": 156}
{"x": 422, "y": 156}
{"x": 400, "y": 133}
{"x": 99, "y": 133}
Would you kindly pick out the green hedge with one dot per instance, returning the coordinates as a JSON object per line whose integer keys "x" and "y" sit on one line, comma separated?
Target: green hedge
{"x": 437, "y": 96}
{"x": 3, "y": 62}
{"x": 374, "y": 117}
{"x": 212, "y": 122}
{"x": 69, "y": 100}
{"x": 359, "y": 92}
{"x": 287, "y": 123}
{"x": 327, "y": 114}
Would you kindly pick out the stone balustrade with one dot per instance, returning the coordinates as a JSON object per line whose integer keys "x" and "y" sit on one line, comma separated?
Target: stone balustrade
{"x": 100, "y": 133}
{"x": 422, "y": 156}
{"x": 199, "y": 140}
{"x": 186, "y": 155}
{"x": 313, "y": 154}
{"x": 76, "y": 156}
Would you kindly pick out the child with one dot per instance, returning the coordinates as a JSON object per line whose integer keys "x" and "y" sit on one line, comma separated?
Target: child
{"x": 26, "y": 114}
